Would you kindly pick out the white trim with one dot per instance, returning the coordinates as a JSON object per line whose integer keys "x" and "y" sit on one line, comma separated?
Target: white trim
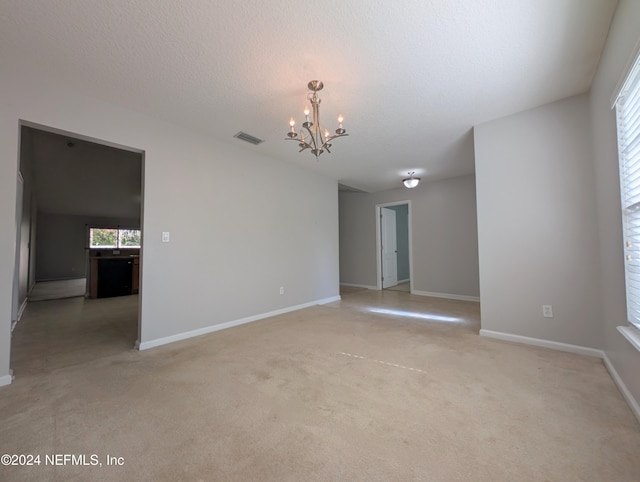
{"x": 378, "y": 244}
{"x": 554, "y": 345}
{"x": 622, "y": 81}
{"x": 145, "y": 345}
{"x": 633, "y": 403}
{"x": 578, "y": 350}
{"x": 75, "y": 135}
{"x": 446, "y": 295}
{"x": 355, "y": 285}
{"x": 631, "y": 334}
{"x": 21, "y": 309}
{"x": 400, "y": 281}
{"x": 6, "y": 380}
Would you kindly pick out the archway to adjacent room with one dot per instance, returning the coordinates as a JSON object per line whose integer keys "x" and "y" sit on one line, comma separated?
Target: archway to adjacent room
{"x": 79, "y": 248}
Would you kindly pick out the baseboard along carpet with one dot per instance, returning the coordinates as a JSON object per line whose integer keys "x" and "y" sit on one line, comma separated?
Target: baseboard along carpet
{"x": 380, "y": 386}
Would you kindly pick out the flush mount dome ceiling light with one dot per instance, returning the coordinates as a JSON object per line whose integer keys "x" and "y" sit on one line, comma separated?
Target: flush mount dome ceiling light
{"x": 311, "y": 135}
{"x": 411, "y": 181}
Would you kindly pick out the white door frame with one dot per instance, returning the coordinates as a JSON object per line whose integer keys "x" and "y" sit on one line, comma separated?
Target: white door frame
{"x": 379, "y": 246}
{"x": 389, "y": 247}
{"x": 16, "y": 306}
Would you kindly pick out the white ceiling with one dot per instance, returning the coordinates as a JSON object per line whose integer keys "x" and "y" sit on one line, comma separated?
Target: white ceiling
{"x": 411, "y": 77}
{"x": 78, "y": 177}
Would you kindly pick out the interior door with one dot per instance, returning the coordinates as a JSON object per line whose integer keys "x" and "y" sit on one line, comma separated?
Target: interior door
{"x": 389, "y": 248}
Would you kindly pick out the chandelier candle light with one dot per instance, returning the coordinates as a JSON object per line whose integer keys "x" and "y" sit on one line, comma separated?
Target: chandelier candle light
{"x": 312, "y": 135}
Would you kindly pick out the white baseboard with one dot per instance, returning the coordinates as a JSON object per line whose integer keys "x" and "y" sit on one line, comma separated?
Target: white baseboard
{"x": 403, "y": 280}
{"x": 554, "y": 345}
{"x": 579, "y": 350}
{"x": 19, "y": 314}
{"x": 354, "y": 285}
{"x": 22, "y": 308}
{"x": 631, "y": 334}
{"x": 446, "y": 295}
{"x": 6, "y": 380}
{"x": 145, "y": 345}
{"x": 633, "y": 403}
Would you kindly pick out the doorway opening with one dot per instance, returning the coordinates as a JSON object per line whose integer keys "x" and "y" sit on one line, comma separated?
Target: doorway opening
{"x": 69, "y": 184}
{"x": 393, "y": 246}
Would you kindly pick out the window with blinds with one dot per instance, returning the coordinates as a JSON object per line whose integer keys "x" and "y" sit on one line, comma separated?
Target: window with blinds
{"x": 628, "y": 121}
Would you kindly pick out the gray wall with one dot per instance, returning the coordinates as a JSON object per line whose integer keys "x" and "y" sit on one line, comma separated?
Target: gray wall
{"x": 549, "y": 215}
{"x": 402, "y": 239}
{"x": 537, "y": 230}
{"x": 623, "y": 38}
{"x": 62, "y": 240}
{"x": 217, "y": 268}
{"x": 8, "y": 174}
{"x": 445, "y": 249}
{"x": 25, "y": 262}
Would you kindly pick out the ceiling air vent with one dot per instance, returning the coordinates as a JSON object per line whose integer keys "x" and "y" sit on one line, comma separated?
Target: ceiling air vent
{"x": 243, "y": 136}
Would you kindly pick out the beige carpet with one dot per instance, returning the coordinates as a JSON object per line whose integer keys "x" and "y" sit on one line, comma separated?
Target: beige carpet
{"x": 337, "y": 392}
{"x": 55, "y": 290}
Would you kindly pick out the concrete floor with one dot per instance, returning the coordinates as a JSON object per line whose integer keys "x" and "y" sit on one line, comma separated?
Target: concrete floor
{"x": 58, "y": 333}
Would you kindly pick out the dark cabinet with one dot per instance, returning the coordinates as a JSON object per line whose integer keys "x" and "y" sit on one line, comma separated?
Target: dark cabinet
{"x": 114, "y": 277}
{"x": 135, "y": 282}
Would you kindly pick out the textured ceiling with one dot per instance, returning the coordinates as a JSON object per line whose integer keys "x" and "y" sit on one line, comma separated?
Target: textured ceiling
{"x": 78, "y": 177}
{"x": 411, "y": 77}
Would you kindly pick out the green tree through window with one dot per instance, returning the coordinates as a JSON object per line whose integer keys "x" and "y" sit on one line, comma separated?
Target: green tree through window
{"x": 130, "y": 238}
{"x": 113, "y": 238}
{"x": 103, "y": 238}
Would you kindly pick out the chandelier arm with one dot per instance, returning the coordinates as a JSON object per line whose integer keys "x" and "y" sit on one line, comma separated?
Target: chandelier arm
{"x": 330, "y": 138}
{"x": 313, "y": 139}
{"x": 316, "y": 116}
{"x": 304, "y": 145}
{"x": 301, "y": 143}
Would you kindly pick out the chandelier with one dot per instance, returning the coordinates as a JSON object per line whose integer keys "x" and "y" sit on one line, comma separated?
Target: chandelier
{"x": 312, "y": 135}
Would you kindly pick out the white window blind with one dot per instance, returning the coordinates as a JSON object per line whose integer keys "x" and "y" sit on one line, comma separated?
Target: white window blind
{"x": 628, "y": 117}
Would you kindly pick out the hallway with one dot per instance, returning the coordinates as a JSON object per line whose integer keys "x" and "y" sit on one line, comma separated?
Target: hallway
{"x": 60, "y": 333}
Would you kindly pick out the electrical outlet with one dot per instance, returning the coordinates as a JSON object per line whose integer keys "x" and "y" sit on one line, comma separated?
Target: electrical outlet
{"x": 282, "y": 290}
{"x": 166, "y": 236}
{"x": 547, "y": 311}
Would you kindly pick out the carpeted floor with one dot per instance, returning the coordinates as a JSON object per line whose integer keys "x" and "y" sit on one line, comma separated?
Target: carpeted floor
{"x": 380, "y": 386}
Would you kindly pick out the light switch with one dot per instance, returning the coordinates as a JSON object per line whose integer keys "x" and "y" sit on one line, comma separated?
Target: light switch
{"x": 165, "y": 236}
